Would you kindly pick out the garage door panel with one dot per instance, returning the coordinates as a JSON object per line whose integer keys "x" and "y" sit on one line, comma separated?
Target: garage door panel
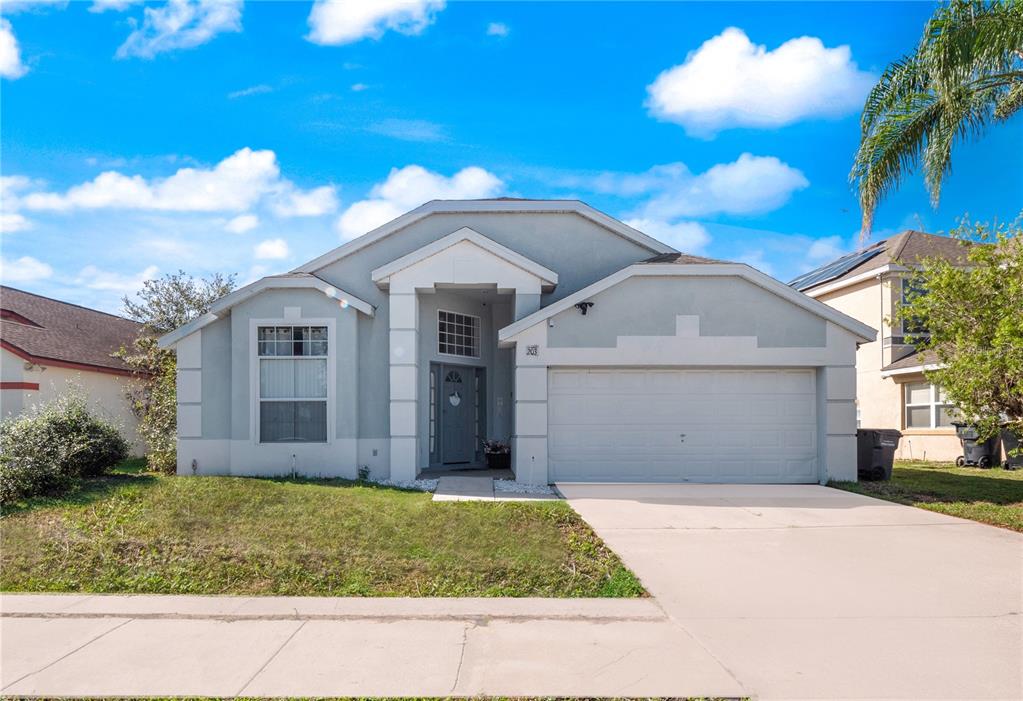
{"x": 626, "y": 425}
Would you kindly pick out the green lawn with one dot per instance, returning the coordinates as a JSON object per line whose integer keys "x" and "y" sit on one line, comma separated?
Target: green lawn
{"x": 992, "y": 496}
{"x": 134, "y": 532}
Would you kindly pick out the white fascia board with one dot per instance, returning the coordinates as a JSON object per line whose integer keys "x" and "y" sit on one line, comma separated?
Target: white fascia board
{"x": 219, "y": 308}
{"x": 912, "y": 370}
{"x": 475, "y": 206}
{"x": 548, "y": 277}
{"x": 855, "y": 280}
{"x": 861, "y": 330}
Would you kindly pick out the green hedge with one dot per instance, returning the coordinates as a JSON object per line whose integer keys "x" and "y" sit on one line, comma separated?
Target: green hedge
{"x": 47, "y": 449}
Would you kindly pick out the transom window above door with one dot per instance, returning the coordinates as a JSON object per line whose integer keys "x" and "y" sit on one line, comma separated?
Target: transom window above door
{"x": 458, "y": 334}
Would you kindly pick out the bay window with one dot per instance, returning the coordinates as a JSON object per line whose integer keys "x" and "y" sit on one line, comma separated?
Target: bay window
{"x": 292, "y": 384}
{"x": 927, "y": 406}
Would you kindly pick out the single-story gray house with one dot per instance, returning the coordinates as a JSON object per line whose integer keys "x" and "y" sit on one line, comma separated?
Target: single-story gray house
{"x": 598, "y": 352}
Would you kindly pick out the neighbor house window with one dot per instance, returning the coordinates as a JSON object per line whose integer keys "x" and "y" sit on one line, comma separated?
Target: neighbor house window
{"x": 292, "y": 384}
{"x": 927, "y": 406}
{"x": 458, "y": 334}
{"x": 912, "y": 326}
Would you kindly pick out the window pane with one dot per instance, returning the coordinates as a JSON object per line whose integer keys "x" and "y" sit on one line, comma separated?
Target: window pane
{"x": 918, "y": 417}
{"x": 292, "y": 422}
{"x": 318, "y": 348}
{"x": 310, "y": 378}
{"x": 285, "y": 378}
{"x": 946, "y": 415}
{"x": 266, "y": 333}
{"x": 318, "y": 333}
{"x": 267, "y": 348}
{"x": 918, "y": 393}
{"x": 458, "y": 334}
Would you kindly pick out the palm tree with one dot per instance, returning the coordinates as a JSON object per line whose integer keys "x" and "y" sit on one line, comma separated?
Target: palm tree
{"x": 966, "y": 74}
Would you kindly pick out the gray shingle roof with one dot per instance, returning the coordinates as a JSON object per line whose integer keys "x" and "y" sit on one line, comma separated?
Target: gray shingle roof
{"x": 48, "y": 329}
{"x": 909, "y": 247}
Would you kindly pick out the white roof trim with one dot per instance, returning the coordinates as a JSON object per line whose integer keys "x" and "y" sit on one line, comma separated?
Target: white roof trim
{"x": 548, "y": 277}
{"x": 475, "y": 206}
{"x": 911, "y": 370}
{"x": 222, "y": 305}
{"x": 854, "y": 280}
{"x": 864, "y": 332}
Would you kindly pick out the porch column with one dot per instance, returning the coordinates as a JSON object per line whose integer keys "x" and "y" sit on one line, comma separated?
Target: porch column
{"x": 404, "y": 381}
{"x": 529, "y": 442}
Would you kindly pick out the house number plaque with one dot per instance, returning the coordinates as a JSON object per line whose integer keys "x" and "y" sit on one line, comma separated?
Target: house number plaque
{"x": 533, "y": 350}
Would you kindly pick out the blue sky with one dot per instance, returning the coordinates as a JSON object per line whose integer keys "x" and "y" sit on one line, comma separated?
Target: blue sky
{"x": 138, "y": 139}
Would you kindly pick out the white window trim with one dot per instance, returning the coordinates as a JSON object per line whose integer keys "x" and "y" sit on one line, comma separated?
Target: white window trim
{"x": 479, "y": 340}
{"x": 934, "y": 404}
{"x": 254, "y": 358}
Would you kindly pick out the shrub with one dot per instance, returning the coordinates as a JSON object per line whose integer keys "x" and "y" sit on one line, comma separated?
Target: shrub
{"x": 46, "y": 449}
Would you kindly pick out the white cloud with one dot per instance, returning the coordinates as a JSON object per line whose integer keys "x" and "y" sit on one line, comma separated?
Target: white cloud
{"x": 237, "y": 183}
{"x": 292, "y": 202}
{"x": 685, "y": 236}
{"x": 24, "y": 269}
{"x": 749, "y": 185}
{"x": 337, "y": 22}
{"x": 409, "y": 130}
{"x": 115, "y": 5}
{"x": 260, "y": 89}
{"x": 359, "y": 87}
{"x": 498, "y": 29}
{"x": 826, "y": 248}
{"x": 407, "y": 188}
{"x": 756, "y": 259}
{"x": 732, "y": 82}
{"x": 12, "y": 221}
{"x": 10, "y": 54}
{"x": 272, "y": 249}
{"x": 181, "y": 24}
{"x": 242, "y": 223}
{"x": 96, "y": 279}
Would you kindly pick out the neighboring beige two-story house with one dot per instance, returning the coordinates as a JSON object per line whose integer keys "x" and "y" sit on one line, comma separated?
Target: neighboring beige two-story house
{"x": 891, "y": 390}
{"x": 50, "y": 347}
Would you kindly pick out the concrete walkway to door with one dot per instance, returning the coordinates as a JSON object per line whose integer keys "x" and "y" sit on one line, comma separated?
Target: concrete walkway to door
{"x": 811, "y": 592}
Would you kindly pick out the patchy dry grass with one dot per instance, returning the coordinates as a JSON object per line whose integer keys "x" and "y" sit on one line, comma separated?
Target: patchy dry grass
{"x": 142, "y": 533}
{"x": 992, "y": 496}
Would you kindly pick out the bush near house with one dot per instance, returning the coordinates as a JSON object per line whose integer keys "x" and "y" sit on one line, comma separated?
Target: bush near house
{"x": 48, "y": 449}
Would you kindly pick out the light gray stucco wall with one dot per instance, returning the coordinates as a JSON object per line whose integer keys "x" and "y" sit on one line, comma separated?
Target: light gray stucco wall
{"x": 726, "y": 306}
{"x": 216, "y": 380}
{"x": 580, "y": 251}
{"x": 314, "y": 305}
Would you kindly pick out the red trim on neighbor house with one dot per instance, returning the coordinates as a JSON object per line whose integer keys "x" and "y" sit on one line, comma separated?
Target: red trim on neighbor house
{"x": 19, "y": 385}
{"x": 11, "y": 315}
{"x": 52, "y": 362}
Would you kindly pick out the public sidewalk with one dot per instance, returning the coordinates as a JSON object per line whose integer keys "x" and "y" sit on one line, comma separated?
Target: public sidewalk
{"x": 71, "y": 645}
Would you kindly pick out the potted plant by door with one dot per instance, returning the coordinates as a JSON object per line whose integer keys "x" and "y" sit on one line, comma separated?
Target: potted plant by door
{"x": 498, "y": 454}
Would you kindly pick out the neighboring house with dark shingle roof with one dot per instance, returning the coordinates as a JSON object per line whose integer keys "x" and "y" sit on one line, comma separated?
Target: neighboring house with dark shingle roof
{"x": 891, "y": 390}
{"x": 49, "y": 345}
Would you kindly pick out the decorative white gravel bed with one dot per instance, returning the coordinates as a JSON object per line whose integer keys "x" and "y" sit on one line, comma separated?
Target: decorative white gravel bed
{"x": 513, "y": 487}
{"x": 418, "y": 485}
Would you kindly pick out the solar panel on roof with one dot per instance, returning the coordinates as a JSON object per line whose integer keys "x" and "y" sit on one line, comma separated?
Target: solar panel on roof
{"x": 834, "y": 268}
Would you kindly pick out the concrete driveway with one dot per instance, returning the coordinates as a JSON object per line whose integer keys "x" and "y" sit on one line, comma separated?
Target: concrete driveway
{"x": 811, "y": 592}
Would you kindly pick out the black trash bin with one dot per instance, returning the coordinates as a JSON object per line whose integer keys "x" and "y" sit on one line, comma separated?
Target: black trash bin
{"x": 976, "y": 453}
{"x": 875, "y": 452}
{"x": 1010, "y": 442}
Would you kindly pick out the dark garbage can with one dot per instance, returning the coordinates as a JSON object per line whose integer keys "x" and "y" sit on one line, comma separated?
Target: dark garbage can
{"x": 976, "y": 453}
{"x": 875, "y": 452}
{"x": 1011, "y": 441}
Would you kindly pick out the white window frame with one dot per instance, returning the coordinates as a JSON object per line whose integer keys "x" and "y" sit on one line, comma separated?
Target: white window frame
{"x": 479, "y": 338}
{"x": 254, "y": 359}
{"x": 934, "y": 404}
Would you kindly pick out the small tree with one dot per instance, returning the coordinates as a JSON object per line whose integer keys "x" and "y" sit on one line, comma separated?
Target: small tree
{"x": 163, "y": 305}
{"x": 974, "y": 315}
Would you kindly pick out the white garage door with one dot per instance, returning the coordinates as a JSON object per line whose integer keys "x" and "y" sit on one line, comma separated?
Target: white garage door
{"x": 648, "y": 425}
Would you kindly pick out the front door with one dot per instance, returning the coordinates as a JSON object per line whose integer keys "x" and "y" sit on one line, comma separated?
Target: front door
{"x": 458, "y": 406}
